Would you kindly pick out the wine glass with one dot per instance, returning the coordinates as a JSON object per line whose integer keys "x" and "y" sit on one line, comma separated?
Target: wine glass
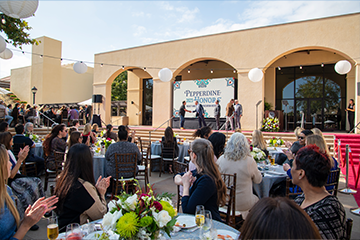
{"x": 205, "y": 230}
{"x": 52, "y": 228}
{"x": 200, "y": 215}
{"x": 73, "y": 231}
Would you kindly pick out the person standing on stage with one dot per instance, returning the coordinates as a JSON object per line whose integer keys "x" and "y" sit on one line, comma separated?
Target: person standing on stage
{"x": 229, "y": 114}
{"x": 200, "y": 113}
{"x": 217, "y": 110}
{"x": 238, "y": 114}
{"x": 182, "y": 114}
{"x": 351, "y": 113}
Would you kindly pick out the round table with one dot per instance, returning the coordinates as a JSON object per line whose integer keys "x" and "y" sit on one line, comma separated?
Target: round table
{"x": 274, "y": 175}
{"x": 38, "y": 150}
{"x": 183, "y": 150}
{"x": 99, "y": 165}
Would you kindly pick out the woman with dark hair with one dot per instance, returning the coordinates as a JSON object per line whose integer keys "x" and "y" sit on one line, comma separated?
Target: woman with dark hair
{"x": 109, "y": 133}
{"x": 11, "y": 224}
{"x": 4, "y": 127}
{"x": 207, "y": 186}
{"x": 80, "y": 198}
{"x": 131, "y": 137}
{"x": 310, "y": 172}
{"x": 168, "y": 140}
{"x": 217, "y": 140}
{"x": 15, "y": 113}
{"x": 203, "y": 132}
{"x": 290, "y": 154}
{"x": 75, "y": 137}
{"x": 27, "y": 189}
{"x": 351, "y": 114}
{"x": 275, "y": 218}
{"x": 54, "y": 142}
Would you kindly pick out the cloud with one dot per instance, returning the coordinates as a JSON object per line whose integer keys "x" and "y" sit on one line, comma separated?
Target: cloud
{"x": 139, "y": 30}
{"x": 140, "y": 14}
{"x": 182, "y": 13}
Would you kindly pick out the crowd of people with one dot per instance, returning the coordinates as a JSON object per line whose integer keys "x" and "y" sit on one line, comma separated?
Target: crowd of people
{"x": 79, "y": 198}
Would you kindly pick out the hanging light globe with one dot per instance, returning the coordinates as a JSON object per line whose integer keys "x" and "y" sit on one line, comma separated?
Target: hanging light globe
{"x": 343, "y": 67}
{"x": 19, "y": 9}
{"x": 165, "y": 75}
{"x": 6, "y": 54}
{"x": 80, "y": 67}
{"x": 255, "y": 75}
{"x": 2, "y": 44}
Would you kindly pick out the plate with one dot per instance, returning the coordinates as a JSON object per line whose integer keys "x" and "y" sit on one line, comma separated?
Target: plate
{"x": 92, "y": 235}
{"x": 226, "y": 232}
{"x": 189, "y": 222}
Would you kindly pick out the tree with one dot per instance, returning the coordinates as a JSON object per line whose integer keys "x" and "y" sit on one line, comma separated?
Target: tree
{"x": 119, "y": 87}
{"x": 16, "y": 31}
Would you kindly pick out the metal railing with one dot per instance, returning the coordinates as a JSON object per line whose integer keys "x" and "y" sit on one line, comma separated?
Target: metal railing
{"x": 40, "y": 113}
{"x": 167, "y": 121}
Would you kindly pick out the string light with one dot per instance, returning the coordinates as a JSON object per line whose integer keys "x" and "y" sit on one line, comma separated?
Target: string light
{"x": 300, "y": 67}
{"x": 3, "y": 21}
{"x": 211, "y": 71}
{"x": 189, "y": 70}
{"x": 322, "y": 64}
{"x": 145, "y": 69}
{"x": 41, "y": 56}
{"x": 234, "y": 70}
{"x": 101, "y": 65}
{"x": 279, "y": 68}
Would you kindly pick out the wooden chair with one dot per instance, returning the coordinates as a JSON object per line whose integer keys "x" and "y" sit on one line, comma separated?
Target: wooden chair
{"x": 167, "y": 150}
{"x": 228, "y": 212}
{"x": 27, "y": 168}
{"x": 333, "y": 180}
{"x": 289, "y": 186}
{"x": 53, "y": 174}
{"x": 140, "y": 146}
{"x": 125, "y": 165}
{"x": 150, "y": 158}
{"x": 349, "y": 224}
{"x": 180, "y": 167}
{"x": 143, "y": 168}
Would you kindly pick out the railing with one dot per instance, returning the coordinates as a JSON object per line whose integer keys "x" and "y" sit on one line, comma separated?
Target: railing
{"x": 234, "y": 124}
{"x": 40, "y": 113}
{"x": 167, "y": 121}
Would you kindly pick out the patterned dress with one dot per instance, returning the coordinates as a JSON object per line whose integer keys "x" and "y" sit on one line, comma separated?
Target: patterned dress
{"x": 328, "y": 214}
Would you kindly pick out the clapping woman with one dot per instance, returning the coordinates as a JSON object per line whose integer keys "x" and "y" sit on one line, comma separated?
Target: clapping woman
{"x": 80, "y": 198}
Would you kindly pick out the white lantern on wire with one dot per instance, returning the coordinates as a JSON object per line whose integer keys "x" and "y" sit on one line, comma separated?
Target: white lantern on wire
{"x": 19, "y": 9}
{"x": 2, "y": 44}
{"x": 7, "y": 54}
{"x": 165, "y": 75}
{"x": 80, "y": 67}
{"x": 255, "y": 75}
{"x": 342, "y": 67}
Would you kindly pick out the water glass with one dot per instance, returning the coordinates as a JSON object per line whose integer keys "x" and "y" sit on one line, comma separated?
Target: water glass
{"x": 205, "y": 231}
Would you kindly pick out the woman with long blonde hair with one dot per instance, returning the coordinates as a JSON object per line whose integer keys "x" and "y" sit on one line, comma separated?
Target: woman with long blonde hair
{"x": 10, "y": 224}
{"x": 207, "y": 188}
{"x": 258, "y": 141}
{"x": 88, "y": 136}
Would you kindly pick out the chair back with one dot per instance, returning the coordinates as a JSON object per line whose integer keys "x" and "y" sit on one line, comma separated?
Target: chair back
{"x": 291, "y": 188}
{"x": 180, "y": 167}
{"x": 349, "y": 224}
{"x": 59, "y": 161}
{"x": 125, "y": 165}
{"x": 230, "y": 182}
{"x": 168, "y": 151}
{"x": 140, "y": 146}
{"x": 333, "y": 180}
{"x": 16, "y": 148}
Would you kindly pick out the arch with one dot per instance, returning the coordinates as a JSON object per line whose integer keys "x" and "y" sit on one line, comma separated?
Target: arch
{"x": 135, "y": 70}
{"x": 308, "y": 48}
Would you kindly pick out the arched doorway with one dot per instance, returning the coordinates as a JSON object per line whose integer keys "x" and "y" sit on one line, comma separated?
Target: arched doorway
{"x": 317, "y": 92}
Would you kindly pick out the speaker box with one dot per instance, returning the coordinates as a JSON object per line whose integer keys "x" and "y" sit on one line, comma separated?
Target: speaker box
{"x": 97, "y": 98}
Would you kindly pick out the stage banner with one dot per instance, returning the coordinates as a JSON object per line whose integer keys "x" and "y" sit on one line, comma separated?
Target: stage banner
{"x": 206, "y": 92}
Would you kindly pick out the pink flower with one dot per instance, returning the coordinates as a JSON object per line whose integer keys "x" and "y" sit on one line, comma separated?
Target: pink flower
{"x": 109, "y": 139}
{"x": 157, "y": 205}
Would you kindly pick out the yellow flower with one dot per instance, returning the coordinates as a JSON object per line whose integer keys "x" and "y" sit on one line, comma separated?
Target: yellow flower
{"x": 127, "y": 226}
{"x": 167, "y": 207}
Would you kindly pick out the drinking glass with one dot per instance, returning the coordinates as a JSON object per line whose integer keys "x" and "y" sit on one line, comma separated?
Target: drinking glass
{"x": 200, "y": 215}
{"x": 205, "y": 230}
{"x": 73, "y": 231}
{"x": 52, "y": 228}
{"x": 272, "y": 159}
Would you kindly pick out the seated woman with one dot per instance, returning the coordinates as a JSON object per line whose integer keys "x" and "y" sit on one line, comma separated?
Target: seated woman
{"x": 266, "y": 221}
{"x": 54, "y": 142}
{"x": 27, "y": 189}
{"x": 310, "y": 171}
{"x": 258, "y": 141}
{"x": 15, "y": 114}
{"x": 75, "y": 137}
{"x": 237, "y": 159}
{"x": 11, "y": 225}
{"x": 29, "y": 128}
{"x": 169, "y": 141}
{"x": 123, "y": 146}
{"x": 204, "y": 132}
{"x": 131, "y": 137}
{"x": 88, "y": 136}
{"x": 207, "y": 186}
{"x": 109, "y": 133}
{"x": 80, "y": 198}
{"x": 4, "y": 127}
{"x": 95, "y": 129}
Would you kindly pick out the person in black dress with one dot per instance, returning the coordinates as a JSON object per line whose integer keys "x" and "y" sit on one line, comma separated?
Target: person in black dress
{"x": 351, "y": 114}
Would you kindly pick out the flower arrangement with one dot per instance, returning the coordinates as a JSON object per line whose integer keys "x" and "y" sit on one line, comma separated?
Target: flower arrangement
{"x": 270, "y": 124}
{"x": 33, "y": 137}
{"x": 258, "y": 154}
{"x": 138, "y": 216}
{"x": 104, "y": 141}
{"x": 275, "y": 142}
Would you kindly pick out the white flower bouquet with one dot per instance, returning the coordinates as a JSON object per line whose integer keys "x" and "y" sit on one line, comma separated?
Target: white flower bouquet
{"x": 258, "y": 154}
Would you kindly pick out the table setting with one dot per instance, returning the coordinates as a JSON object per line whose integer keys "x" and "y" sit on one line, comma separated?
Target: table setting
{"x": 183, "y": 145}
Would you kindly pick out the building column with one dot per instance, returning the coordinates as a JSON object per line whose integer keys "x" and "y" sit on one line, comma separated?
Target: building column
{"x": 248, "y": 97}
{"x": 134, "y": 99}
{"x": 162, "y": 102}
{"x": 357, "y": 97}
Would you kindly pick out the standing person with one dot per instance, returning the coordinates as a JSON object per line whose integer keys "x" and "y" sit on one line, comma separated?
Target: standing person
{"x": 6, "y": 115}
{"x": 351, "y": 114}
{"x": 217, "y": 111}
{"x": 182, "y": 114}
{"x": 229, "y": 114}
{"x": 200, "y": 113}
{"x": 238, "y": 114}
{"x": 88, "y": 113}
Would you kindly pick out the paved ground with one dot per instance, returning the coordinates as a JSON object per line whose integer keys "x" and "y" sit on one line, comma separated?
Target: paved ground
{"x": 165, "y": 184}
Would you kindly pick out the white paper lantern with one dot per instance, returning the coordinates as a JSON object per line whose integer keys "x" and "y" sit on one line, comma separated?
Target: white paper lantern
{"x": 342, "y": 67}
{"x": 7, "y": 54}
{"x": 165, "y": 74}
{"x": 80, "y": 67}
{"x": 2, "y": 44}
{"x": 255, "y": 75}
{"x": 19, "y": 9}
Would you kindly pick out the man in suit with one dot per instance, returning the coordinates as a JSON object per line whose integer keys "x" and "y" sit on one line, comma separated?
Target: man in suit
{"x": 229, "y": 114}
{"x": 238, "y": 114}
{"x": 200, "y": 113}
{"x": 217, "y": 111}
{"x": 182, "y": 114}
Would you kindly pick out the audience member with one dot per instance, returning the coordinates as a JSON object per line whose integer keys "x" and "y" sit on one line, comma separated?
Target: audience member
{"x": 4, "y": 127}
{"x": 88, "y": 136}
{"x": 278, "y": 218}
{"x": 203, "y": 132}
{"x": 95, "y": 129}
{"x": 73, "y": 114}
{"x": 237, "y": 159}
{"x": 310, "y": 171}
{"x": 15, "y": 114}
{"x": 131, "y": 137}
{"x": 80, "y": 198}
{"x": 217, "y": 140}
{"x": 207, "y": 186}
{"x": 29, "y": 128}
{"x": 54, "y": 142}
{"x": 5, "y": 113}
{"x": 259, "y": 142}
{"x": 74, "y": 137}
{"x": 76, "y": 124}
{"x": 169, "y": 141}
{"x": 109, "y": 133}
{"x": 123, "y": 146}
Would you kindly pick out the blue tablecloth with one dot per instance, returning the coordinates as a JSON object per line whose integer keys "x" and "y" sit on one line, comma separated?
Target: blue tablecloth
{"x": 275, "y": 175}
{"x": 183, "y": 150}
{"x": 99, "y": 166}
{"x": 38, "y": 150}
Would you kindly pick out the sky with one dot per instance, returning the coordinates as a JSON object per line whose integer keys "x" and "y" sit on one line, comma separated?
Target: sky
{"x": 90, "y": 27}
